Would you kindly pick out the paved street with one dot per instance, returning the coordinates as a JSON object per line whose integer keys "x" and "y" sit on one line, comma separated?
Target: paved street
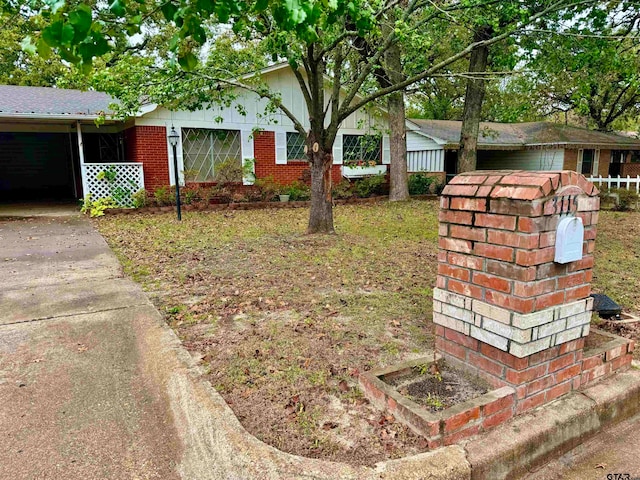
{"x": 614, "y": 451}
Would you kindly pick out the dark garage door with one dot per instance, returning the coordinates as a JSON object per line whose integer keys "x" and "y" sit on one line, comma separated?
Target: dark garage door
{"x": 35, "y": 166}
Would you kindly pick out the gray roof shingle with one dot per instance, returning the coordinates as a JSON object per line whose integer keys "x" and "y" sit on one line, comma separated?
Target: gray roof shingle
{"x": 52, "y": 101}
{"x": 522, "y": 135}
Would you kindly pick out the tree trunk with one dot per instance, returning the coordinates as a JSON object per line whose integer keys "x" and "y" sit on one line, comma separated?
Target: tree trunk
{"x": 321, "y": 214}
{"x": 468, "y": 152}
{"x": 398, "y": 178}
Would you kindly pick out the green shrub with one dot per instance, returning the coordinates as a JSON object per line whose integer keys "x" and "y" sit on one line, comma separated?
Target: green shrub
{"x": 228, "y": 171}
{"x": 369, "y": 186}
{"x": 96, "y": 208}
{"x": 297, "y": 191}
{"x": 247, "y": 169}
{"x": 219, "y": 192}
{"x": 139, "y": 199}
{"x": 268, "y": 187}
{"x": 606, "y": 200}
{"x": 191, "y": 195}
{"x": 619, "y": 199}
{"x": 253, "y": 194}
{"x": 628, "y": 199}
{"x": 163, "y": 197}
{"x": 421, "y": 184}
{"x": 343, "y": 190}
{"x": 239, "y": 197}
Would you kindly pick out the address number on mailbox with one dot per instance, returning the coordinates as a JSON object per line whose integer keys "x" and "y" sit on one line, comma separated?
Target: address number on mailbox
{"x": 569, "y": 239}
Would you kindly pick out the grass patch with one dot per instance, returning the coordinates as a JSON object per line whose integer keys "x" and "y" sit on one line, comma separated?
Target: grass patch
{"x": 281, "y": 319}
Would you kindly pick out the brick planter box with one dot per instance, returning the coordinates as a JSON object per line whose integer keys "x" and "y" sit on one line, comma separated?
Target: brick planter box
{"x": 603, "y": 361}
{"x": 582, "y": 368}
{"x": 439, "y": 428}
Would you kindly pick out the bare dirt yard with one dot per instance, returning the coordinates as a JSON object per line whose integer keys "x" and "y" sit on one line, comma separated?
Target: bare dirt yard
{"x": 283, "y": 322}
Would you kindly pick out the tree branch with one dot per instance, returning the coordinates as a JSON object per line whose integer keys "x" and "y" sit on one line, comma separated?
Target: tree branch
{"x": 463, "y": 53}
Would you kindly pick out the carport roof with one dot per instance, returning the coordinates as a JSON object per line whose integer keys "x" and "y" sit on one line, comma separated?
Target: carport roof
{"x": 47, "y": 102}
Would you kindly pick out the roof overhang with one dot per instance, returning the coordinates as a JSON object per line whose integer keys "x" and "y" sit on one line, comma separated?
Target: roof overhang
{"x": 582, "y": 145}
{"x": 484, "y": 146}
{"x": 51, "y": 118}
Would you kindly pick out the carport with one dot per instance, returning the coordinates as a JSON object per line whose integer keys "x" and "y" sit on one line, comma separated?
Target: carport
{"x": 37, "y": 165}
{"x": 42, "y": 146}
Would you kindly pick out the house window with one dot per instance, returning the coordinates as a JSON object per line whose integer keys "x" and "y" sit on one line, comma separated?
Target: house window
{"x": 618, "y": 156}
{"x": 635, "y": 156}
{"x": 295, "y": 146}
{"x": 362, "y": 149}
{"x": 588, "y": 158}
{"x": 209, "y": 153}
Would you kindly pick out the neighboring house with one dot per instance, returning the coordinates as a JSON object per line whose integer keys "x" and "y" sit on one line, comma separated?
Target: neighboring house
{"x": 539, "y": 146}
{"x": 50, "y": 146}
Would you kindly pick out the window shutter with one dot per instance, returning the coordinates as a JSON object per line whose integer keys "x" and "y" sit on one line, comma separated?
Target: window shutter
{"x": 281, "y": 148}
{"x": 386, "y": 150}
{"x": 579, "y": 164}
{"x": 596, "y": 161}
{"x": 337, "y": 150}
{"x": 247, "y": 155}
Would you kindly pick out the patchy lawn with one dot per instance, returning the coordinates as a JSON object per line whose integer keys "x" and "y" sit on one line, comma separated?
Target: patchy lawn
{"x": 283, "y": 322}
{"x": 617, "y": 268}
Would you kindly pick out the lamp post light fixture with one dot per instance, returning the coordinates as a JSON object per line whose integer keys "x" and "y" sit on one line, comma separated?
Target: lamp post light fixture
{"x": 173, "y": 140}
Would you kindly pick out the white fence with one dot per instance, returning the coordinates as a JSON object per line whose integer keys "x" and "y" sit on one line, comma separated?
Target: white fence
{"x": 628, "y": 183}
{"x": 115, "y": 180}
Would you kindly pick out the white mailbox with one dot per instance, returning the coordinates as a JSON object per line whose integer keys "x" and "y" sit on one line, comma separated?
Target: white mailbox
{"x": 569, "y": 239}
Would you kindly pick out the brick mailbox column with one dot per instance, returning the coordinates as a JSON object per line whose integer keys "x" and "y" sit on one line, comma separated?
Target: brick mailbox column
{"x": 503, "y": 307}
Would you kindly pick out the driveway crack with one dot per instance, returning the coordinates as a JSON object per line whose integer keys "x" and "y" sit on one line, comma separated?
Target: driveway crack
{"x": 76, "y": 314}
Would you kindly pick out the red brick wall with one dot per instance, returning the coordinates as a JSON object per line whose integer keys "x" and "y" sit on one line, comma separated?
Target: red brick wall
{"x": 570, "y": 160}
{"x": 264, "y": 144}
{"x": 537, "y": 379}
{"x": 148, "y": 145}
{"x": 497, "y": 239}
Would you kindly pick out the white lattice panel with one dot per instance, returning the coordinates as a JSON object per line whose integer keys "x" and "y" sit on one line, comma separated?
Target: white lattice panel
{"x": 129, "y": 178}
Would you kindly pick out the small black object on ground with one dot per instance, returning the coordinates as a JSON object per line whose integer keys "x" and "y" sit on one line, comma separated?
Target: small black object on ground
{"x": 605, "y": 307}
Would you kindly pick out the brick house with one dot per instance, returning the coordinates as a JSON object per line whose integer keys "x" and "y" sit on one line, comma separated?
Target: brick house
{"x": 51, "y": 148}
{"x": 539, "y": 146}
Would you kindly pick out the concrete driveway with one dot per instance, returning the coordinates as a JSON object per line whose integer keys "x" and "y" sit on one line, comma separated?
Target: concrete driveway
{"x": 75, "y": 401}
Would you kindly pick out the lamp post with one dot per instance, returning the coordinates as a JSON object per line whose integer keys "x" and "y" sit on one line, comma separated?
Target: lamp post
{"x": 173, "y": 140}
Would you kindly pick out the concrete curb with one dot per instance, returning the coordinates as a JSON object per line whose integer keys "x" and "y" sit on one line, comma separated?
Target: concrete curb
{"x": 216, "y": 446}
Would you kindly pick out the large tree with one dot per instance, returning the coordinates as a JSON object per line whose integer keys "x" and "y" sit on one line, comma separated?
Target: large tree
{"x": 321, "y": 41}
{"x": 18, "y": 66}
{"x": 590, "y": 66}
{"x": 474, "y": 96}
